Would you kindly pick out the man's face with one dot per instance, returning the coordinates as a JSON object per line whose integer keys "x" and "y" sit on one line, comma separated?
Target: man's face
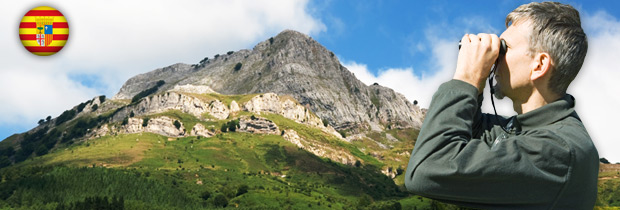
{"x": 514, "y": 70}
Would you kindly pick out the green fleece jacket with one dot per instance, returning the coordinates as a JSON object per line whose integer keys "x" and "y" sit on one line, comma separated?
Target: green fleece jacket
{"x": 543, "y": 159}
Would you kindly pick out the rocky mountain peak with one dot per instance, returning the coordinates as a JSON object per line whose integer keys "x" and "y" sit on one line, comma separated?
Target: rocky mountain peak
{"x": 294, "y": 64}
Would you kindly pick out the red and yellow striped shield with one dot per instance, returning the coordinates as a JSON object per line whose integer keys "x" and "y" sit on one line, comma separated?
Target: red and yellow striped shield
{"x": 44, "y": 31}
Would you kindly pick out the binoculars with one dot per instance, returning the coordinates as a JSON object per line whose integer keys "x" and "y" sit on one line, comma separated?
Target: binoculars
{"x": 502, "y": 47}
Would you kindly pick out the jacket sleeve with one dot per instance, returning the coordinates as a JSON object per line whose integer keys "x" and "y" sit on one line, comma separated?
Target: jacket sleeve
{"x": 460, "y": 157}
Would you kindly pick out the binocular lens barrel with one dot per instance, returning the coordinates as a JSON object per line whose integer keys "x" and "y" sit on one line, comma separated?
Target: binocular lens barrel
{"x": 502, "y": 47}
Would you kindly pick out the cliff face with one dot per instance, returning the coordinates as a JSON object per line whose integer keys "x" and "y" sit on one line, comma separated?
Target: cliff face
{"x": 291, "y": 64}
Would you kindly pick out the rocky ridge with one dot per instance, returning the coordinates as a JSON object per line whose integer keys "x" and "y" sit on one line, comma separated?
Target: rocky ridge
{"x": 294, "y": 64}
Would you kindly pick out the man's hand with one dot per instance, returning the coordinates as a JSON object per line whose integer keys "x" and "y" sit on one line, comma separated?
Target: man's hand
{"x": 476, "y": 57}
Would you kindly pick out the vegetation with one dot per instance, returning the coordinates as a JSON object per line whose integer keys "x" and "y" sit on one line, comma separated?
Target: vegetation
{"x": 238, "y": 66}
{"x": 147, "y": 92}
{"x": 54, "y": 168}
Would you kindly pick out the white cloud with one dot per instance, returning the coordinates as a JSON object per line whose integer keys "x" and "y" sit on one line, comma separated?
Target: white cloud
{"x": 114, "y": 40}
{"x": 595, "y": 88}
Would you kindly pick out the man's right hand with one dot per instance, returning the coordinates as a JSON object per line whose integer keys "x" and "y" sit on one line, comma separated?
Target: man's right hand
{"x": 476, "y": 57}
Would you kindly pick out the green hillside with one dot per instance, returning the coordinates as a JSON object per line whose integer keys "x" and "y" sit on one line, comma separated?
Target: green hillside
{"x": 57, "y": 167}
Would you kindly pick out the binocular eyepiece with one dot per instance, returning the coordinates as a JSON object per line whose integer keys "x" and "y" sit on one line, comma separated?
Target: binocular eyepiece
{"x": 502, "y": 47}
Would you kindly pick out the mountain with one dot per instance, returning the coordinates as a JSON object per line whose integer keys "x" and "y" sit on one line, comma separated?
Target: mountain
{"x": 294, "y": 64}
{"x": 282, "y": 125}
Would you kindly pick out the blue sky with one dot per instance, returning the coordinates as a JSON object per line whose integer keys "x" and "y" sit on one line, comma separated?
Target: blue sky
{"x": 409, "y": 46}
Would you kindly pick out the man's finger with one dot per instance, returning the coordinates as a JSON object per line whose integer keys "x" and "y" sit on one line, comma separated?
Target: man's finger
{"x": 495, "y": 43}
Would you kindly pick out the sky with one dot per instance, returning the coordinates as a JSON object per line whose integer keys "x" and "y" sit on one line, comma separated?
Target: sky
{"x": 409, "y": 46}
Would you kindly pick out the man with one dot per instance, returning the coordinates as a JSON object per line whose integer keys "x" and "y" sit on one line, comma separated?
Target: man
{"x": 542, "y": 158}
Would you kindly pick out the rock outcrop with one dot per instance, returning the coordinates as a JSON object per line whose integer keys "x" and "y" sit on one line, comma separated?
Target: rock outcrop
{"x": 200, "y": 130}
{"x": 258, "y": 125}
{"x": 160, "y": 125}
{"x": 318, "y": 148}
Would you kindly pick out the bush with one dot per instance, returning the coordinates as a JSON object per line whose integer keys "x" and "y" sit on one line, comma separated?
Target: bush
{"x": 343, "y": 134}
{"x": 147, "y": 92}
{"x": 145, "y": 122}
{"x": 65, "y": 116}
{"x": 233, "y": 125}
{"x": 220, "y": 201}
{"x": 238, "y": 66}
{"x": 242, "y": 189}
{"x": 177, "y": 124}
{"x": 205, "y": 195}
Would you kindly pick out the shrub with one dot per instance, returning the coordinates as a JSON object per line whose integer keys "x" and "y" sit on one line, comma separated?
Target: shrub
{"x": 125, "y": 121}
{"x": 242, "y": 189}
{"x": 343, "y": 134}
{"x": 65, "y": 116}
{"x": 224, "y": 127}
{"x": 177, "y": 124}
{"x": 216, "y": 56}
{"x": 101, "y": 98}
{"x": 48, "y": 118}
{"x": 132, "y": 114}
{"x": 41, "y": 121}
{"x": 230, "y": 52}
{"x": 95, "y": 107}
{"x": 205, "y": 195}
{"x": 145, "y": 122}
{"x": 415, "y": 102}
{"x": 238, "y": 66}
{"x": 147, "y": 92}
{"x": 325, "y": 122}
{"x": 271, "y": 40}
{"x": 220, "y": 201}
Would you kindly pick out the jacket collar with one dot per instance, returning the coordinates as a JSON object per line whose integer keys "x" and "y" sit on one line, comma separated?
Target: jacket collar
{"x": 545, "y": 115}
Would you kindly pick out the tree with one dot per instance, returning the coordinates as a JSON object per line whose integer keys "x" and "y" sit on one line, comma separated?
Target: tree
{"x": 271, "y": 40}
{"x": 358, "y": 163}
{"x": 48, "y": 118}
{"x": 238, "y": 66}
{"x": 415, "y": 102}
{"x": 604, "y": 161}
{"x": 224, "y": 127}
{"x": 95, "y": 107}
{"x": 41, "y": 121}
{"x": 230, "y": 52}
{"x": 220, "y": 201}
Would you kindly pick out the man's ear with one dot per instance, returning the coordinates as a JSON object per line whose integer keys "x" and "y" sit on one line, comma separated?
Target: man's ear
{"x": 541, "y": 66}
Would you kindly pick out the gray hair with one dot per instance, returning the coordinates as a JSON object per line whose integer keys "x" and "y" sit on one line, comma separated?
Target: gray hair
{"x": 556, "y": 29}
